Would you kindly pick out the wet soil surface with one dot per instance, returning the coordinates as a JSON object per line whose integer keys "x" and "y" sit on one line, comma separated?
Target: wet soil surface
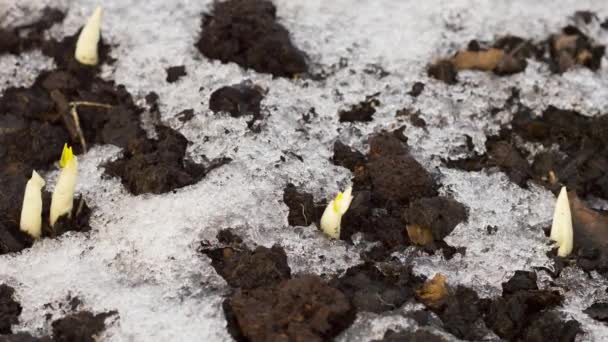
{"x": 238, "y": 100}
{"x": 267, "y": 303}
{"x": 507, "y": 55}
{"x": 248, "y": 33}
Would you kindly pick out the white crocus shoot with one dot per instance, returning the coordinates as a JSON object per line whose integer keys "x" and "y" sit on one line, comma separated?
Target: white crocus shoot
{"x": 561, "y": 229}
{"x": 31, "y": 211}
{"x": 86, "y": 45}
{"x": 332, "y": 216}
{"x": 63, "y": 196}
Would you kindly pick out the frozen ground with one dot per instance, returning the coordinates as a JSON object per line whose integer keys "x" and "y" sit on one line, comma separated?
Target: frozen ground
{"x": 140, "y": 257}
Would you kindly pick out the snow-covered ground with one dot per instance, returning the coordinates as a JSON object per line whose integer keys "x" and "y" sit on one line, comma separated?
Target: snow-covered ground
{"x": 140, "y": 257}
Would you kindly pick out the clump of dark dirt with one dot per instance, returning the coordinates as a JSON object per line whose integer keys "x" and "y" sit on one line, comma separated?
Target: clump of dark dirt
{"x": 266, "y": 303}
{"x": 248, "y": 33}
{"x": 238, "y": 100}
{"x": 440, "y": 215}
{"x": 360, "y": 112}
{"x": 159, "y": 166}
{"x": 302, "y": 210}
{"x": 415, "y": 117}
{"x": 522, "y": 313}
{"x": 598, "y": 311}
{"x": 410, "y": 336}
{"x": 24, "y": 337}
{"x": 304, "y": 308}
{"x": 247, "y": 269}
{"x": 174, "y": 73}
{"x": 377, "y": 288}
{"x": 10, "y": 309}
{"x": 185, "y": 115}
{"x": 29, "y": 36}
{"x": 82, "y": 326}
{"x": 417, "y": 89}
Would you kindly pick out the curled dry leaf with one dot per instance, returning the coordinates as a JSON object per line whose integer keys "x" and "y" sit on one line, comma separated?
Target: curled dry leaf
{"x": 433, "y": 292}
{"x": 419, "y": 235}
{"x": 486, "y": 60}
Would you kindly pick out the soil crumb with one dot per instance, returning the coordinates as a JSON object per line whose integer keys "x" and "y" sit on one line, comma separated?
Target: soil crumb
{"x": 174, "y": 73}
{"x": 238, "y": 99}
{"x": 159, "y": 166}
{"x": 82, "y": 326}
{"x": 304, "y": 308}
{"x": 248, "y": 33}
{"x": 248, "y": 269}
{"x": 10, "y": 309}
{"x": 360, "y": 112}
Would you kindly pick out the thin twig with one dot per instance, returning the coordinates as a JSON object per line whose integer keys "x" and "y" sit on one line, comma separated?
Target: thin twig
{"x": 75, "y": 117}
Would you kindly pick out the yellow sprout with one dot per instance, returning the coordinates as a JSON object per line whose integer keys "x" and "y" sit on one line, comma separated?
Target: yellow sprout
{"x": 66, "y": 155}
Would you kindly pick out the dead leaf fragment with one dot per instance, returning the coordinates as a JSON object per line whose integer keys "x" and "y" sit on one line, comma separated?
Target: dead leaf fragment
{"x": 433, "y": 292}
{"x": 485, "y": 60}
{"x": 419, "y": 235}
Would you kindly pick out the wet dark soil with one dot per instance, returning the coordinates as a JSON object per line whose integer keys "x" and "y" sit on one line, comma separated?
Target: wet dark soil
{"x": 247, "y": 32}
{"x": 360, "y": 112}
{"x": 159, "y": 166}
{"x": 10, "y": 309}
{"x": 248, "y": 269}
{"x": 507, "y": 55}
{"x": 238, "y": 100}
{"x": 522, "y": 313}
{"x": 82, "y": 326}
{"x": 174, "y": 73}
{"x": 267, "y": 304}
{"x": 377, "y": 288}
{"x": 598, "y": 311}
{"x": 578, "y": 164}
{"x": 304, "y": 308}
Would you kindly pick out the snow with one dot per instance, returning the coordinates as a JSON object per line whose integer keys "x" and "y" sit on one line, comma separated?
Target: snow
{"x": 140, "y": 257}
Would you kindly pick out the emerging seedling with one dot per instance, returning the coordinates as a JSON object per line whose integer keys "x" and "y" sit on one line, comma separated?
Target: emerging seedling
{"x": 561, "y": 229}
{"x": 86, "y": 45}
{"x": 31, "y": 211}
{"x": 332, "y": 216}
{"x": 63, "y": 196}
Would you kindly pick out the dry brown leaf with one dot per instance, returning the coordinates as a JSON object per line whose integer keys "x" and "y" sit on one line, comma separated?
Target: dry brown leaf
{"x": 433, "y": 292}
{"x": 419, "y": 235}
{"x": 485, "y": 60}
